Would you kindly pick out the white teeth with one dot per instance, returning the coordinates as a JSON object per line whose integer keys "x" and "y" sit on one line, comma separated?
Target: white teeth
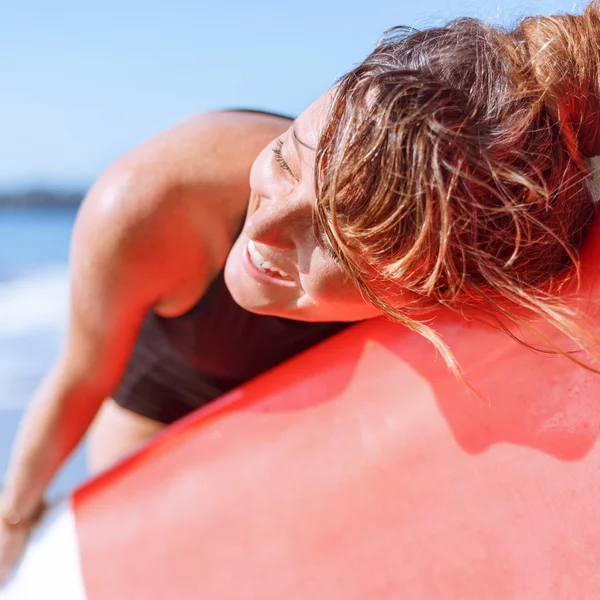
{"x": 256, "y": 259}
{"x": 259, "y": 261}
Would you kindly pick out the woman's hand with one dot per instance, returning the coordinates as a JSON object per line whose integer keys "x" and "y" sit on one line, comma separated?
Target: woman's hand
{"x": 14, "y": 535}
{"x": 13, "y": 541}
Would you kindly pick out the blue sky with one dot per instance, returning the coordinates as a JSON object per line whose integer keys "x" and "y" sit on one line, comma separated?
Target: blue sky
{"x": 80, "y": 83}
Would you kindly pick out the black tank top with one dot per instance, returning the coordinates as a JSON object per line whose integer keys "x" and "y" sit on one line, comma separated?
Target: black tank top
{"x": 182, "y": 363}
{"x": 220, "y": 338}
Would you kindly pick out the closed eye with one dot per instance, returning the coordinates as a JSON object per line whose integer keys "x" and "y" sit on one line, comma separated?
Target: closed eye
{"x": 323, "y": 242}
{"x": 277, "y": 151}
{"x": 324, "y": 245}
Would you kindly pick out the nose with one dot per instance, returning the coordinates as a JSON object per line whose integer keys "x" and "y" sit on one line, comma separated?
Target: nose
{"x": 275, "y": 212}
{"x": 272, "y": 224}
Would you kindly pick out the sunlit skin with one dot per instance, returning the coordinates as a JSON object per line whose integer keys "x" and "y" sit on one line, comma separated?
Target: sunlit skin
{"x": 280, "y": 223}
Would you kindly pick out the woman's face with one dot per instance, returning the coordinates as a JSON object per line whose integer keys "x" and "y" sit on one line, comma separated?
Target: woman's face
{"x": 277, "y": 266}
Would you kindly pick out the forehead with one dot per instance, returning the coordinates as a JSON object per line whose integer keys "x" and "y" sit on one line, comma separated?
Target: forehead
{"x": 311, "y": 121}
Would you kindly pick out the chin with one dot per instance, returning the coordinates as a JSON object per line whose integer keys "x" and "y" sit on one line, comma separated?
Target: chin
{"x": 245, "y": 292}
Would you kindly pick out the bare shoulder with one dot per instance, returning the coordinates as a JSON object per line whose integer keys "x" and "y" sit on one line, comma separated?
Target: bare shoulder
{"x": 177, "y": 200}
{"x": 207, "y": 147}
{"x": 210, "y": 152}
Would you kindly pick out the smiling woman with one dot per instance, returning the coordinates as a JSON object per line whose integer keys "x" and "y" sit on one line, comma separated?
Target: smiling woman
{"x": 449, "y": 169}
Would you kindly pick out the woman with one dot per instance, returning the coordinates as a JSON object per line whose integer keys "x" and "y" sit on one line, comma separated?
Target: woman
{"x": 450, "y": 168}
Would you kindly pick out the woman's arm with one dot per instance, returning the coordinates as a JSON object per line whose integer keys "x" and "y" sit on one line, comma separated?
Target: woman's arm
{"x": 151, "y": 233}
{"x": 131, "y": 246}
{"x": 117, "y": 274}
{"x": 122, "y": 257}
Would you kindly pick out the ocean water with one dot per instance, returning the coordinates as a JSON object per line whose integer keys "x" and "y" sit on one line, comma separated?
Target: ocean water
{"x": 34, "y": 248}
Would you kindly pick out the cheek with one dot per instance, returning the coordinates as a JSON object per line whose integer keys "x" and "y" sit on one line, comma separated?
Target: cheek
{"x": 326, "y": 284}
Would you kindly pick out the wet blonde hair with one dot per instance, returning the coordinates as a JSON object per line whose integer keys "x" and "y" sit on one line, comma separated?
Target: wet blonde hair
{"x": 454, "y": 166}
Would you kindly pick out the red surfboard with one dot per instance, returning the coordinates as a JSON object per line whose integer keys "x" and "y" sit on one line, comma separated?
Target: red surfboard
{"x": 360, "y": 470}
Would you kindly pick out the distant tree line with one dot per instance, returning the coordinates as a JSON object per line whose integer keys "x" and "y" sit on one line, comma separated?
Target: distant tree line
{"x": 42, "y": 198}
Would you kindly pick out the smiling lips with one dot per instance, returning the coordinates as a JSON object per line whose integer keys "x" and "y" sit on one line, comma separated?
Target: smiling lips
{"x": 258, "y": 260}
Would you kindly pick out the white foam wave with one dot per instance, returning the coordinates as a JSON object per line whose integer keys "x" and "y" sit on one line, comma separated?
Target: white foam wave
{"x": 38, "y": 299}
{"x": 33, "y": 316}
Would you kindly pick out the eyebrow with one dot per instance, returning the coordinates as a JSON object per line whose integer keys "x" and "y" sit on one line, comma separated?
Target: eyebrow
{"x": 297, "y": 140}
{"x": 297, "y": 143}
